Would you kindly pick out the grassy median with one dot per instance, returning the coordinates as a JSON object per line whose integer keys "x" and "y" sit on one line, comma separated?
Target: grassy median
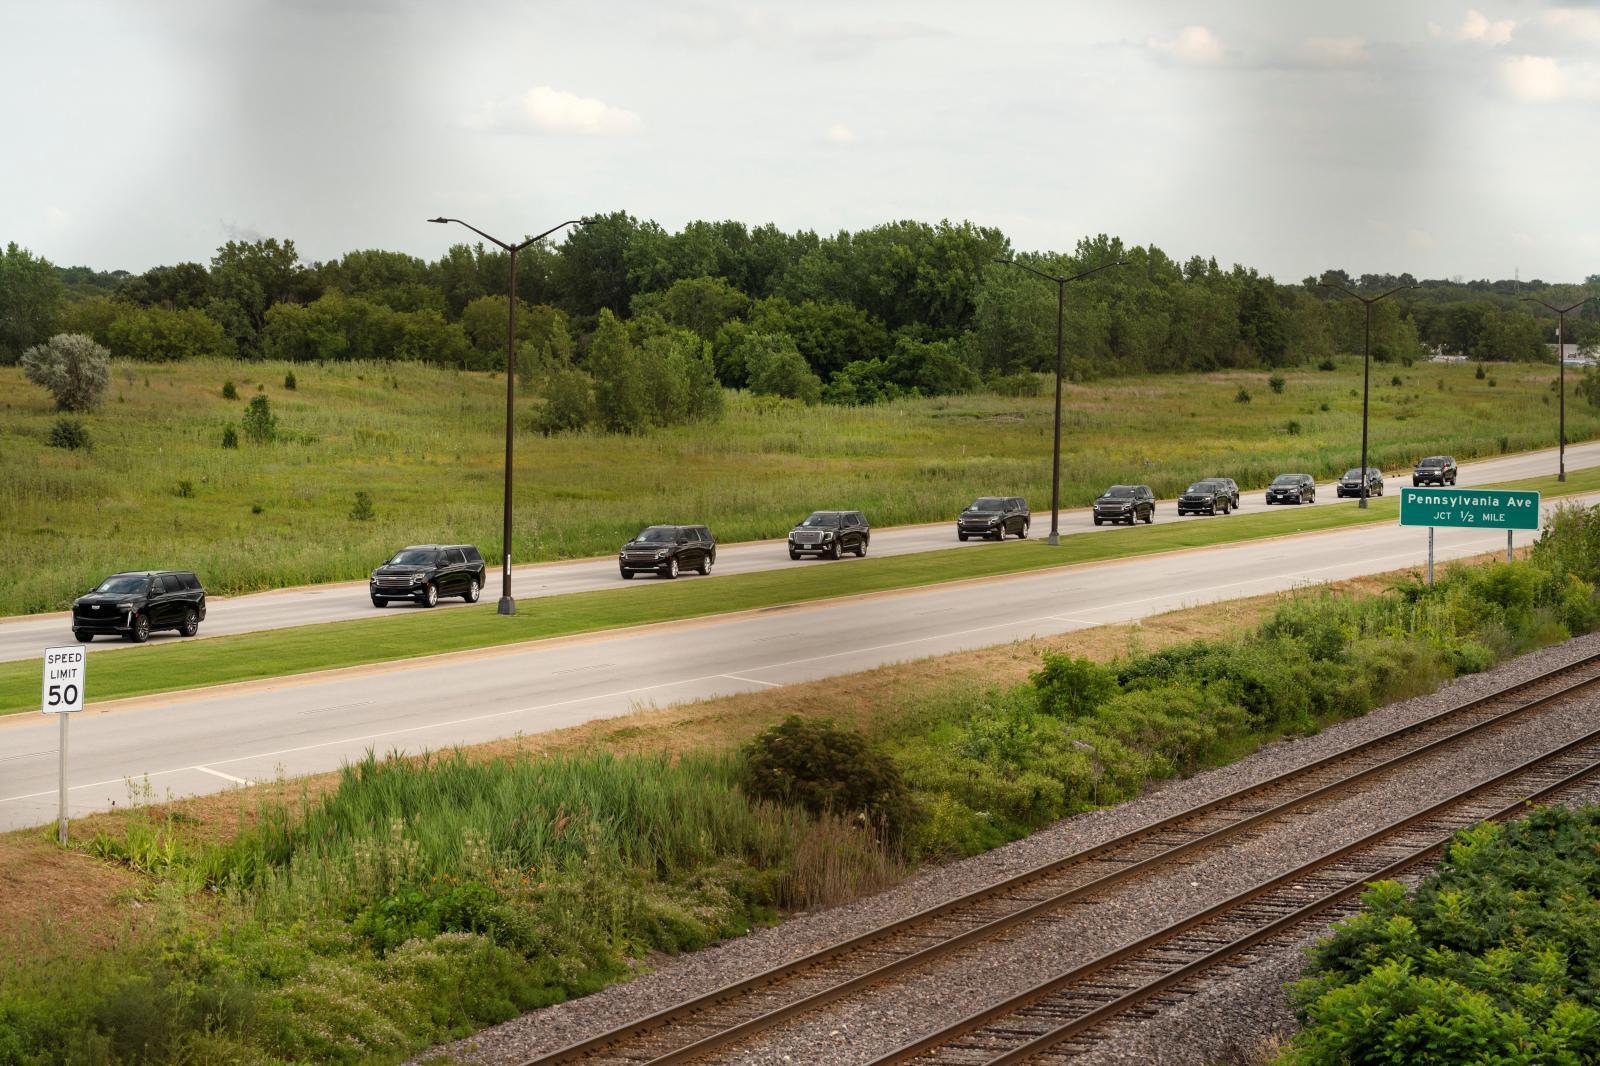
{"x": 304, "y": 649}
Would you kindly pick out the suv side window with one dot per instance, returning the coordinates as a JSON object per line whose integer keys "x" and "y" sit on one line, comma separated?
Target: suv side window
{"x": 453, "y": 557}
{"x": 190, "y": 582}
{"x": 170, "y": 583}
{"x": 471, "y": 552}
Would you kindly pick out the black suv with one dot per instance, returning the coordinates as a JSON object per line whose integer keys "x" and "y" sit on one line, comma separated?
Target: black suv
{"x": 424, "y": 572}
{"x": 1435, "y": 470}
{"x": 994, "y": 516}
{"x": 1292, "y": 488}
{"x": 1125, "y": 503}
{"x": 1350, "y": 484}
{"x": 830, "y": 533}
{"x": 668, "y": 550}
{"x": 1213, "y": 495}
{"x": 131, "y": 605}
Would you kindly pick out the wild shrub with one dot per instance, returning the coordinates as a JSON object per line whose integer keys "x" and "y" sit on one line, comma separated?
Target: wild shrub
{"x": 1070, "y": 687}
{"x": 68, "y": 433}
{"x": 229, "y": 392}
{"x": 230, "y": 437}
{"x": 289, "y": 382}
{"x": 815, "y": 764}
{"x": 1292, "y": 428}
{"x": 1276, "y": 383}
{"x": 260, "y": 424}
{"x": 1500, "y": 948}
{"x": 184, "y": 489}
{"x": 1327, "y": 364}
{"x": 1242, "y": 396}
{"x": 1481, "y": 374}
{"x": 568, "y": 401}
{"x": 73, "y": 367}
{"x": 362, "y": 510}
{"x": 1025, "y": 384}
{"x": 1395, "y": 381}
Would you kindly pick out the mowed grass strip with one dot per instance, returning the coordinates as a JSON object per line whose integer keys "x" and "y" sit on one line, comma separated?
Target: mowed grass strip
{"x": 303, "y": 649}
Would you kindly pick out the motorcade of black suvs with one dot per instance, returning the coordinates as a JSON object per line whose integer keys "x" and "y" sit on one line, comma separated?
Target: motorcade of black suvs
{"x": 668, "y": 551}
{"x": 1350, "y": 484}
{"x": 1125, "y": 503}
{"x": 1212, "y": 495}
{"x": 1292, "y": 488}
{"x": 425, "y": 572}
{"x": 830, "y": 533}
{"x": 133, "y": 604}
{"x": 994, "y": 516}
{"x": 1435, "y": 470}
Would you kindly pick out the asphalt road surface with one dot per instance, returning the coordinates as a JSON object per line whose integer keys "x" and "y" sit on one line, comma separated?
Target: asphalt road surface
{"x": 26, "y": 637}
{"x": 212, "y": 739}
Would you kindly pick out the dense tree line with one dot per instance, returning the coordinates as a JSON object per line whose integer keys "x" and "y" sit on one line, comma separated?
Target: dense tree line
{"x": 901, "y": 308}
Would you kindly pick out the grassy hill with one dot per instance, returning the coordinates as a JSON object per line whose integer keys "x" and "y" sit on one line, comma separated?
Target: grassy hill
{"x": 158, "y": 489}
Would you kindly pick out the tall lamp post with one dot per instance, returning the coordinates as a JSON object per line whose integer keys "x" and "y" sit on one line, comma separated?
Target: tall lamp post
{"x": 507, "y": 604}
{"x": 1061, "y": 312}
{"x": 1561, "y": 376}
{"x": 1366, "y": 368}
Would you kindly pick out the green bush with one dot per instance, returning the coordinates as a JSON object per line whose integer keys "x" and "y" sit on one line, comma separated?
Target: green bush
{"x": 1292, "y": 428}
{"x": 260, "y": 424}
{"x": 229, "y": 392}
{"x": 1276, "y": 383}
{"x": 1495, "y": 958}
{"x": 1327, "y": 364}
{"x": 1242, "y": 396}
{"x": 68, "y": 433}
{"x": 362, "y": 510}
{"x": 230, "y": 437}
{"x": 73, "y": 367}
{"x": 1070, "y": 687}
{"x": 184, "y": 490}
{"x": 289, "y": 382}
{"x": 1023, "y": 384}
{"x": 812, "y": 763}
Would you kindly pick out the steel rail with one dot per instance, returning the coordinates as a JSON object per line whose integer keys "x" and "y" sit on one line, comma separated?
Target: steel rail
{"x": 594, "y": 1046}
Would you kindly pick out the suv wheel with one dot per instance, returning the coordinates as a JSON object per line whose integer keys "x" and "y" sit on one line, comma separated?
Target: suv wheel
{"x": 861, "y": 549}
{"x": 140, "y": 631}
{"x": 379, "y": 601}
{"x": 1097, "y": 520}
{"x": 1150, "y": 517}
{"x": 704, "y": 568}
{"x": 795, "y": 555}
{"x": 82, "y": 636}
{"x": 671, "y": 569}
{"x": 961, "y": 536}
{"x": 835, "y": 553}
{"x": 1023, "y": 532}
{"x": 627, "y": 575}
{"x": 190, "y": 624}
{"x": 474, "y": 590}
{"x": 430, "y": 595}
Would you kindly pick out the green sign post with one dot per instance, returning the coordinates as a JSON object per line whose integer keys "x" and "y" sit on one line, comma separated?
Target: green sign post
{"x": 1505, "y": 509}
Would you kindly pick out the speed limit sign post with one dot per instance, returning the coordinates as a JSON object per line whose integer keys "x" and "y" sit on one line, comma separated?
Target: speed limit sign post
{"x": 61, "y": 694}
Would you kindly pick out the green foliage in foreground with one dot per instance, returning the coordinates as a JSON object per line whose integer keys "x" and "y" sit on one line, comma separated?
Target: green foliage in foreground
{"x": 421, "y": 901}
{"x": 1494, "y": 959}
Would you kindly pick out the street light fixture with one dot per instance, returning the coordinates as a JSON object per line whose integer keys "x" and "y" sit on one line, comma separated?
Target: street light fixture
{"x": 1061, "y": 311}
{"x": 1366, "y": 368}
{"x": 507, "y": 604}
{"x": 1561, "y": 375}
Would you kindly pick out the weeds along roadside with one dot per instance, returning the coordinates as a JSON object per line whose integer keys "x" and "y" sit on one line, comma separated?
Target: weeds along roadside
{"x": 420, "y": 900}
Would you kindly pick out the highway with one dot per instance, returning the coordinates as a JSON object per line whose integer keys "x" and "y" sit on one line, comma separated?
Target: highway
{"x": 26, "y": 637}
{"x": 211, "y": 739}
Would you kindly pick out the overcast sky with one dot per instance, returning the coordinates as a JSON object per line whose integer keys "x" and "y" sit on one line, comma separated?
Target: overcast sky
{"x": 1432, "y": 136}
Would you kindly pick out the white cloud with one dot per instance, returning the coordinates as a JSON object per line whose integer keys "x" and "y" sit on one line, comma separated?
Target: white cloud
{"x": 1478, "y": 27}
{"x": 547, "y": 110}
{"x": 1545, "y": 79}
{"x": 1417, "y": 238}
{"x": 839, "y": 133}
{"x": 1335, "y": 51}
{"x": 1194, "y": 45}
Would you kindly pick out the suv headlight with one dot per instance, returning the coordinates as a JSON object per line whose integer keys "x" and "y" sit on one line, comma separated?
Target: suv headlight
{"x": 994, "y": 521}
{"x": 417, "y": 579}
{"x": 827, "y": 536}
{"x": 662, "y": 553}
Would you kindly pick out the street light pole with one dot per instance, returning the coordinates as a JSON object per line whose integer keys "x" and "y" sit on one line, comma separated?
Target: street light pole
{"x": 507, "y": 604}
{"x": 1061, "y": 314}
{"x": 1561, "y": 376}
{"x": 1366, "y": 369}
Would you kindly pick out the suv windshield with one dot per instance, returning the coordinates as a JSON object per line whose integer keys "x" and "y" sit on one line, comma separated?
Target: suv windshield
{"x": 1353, "y": 474}
{"x": 658, "y": 535}
{"x": 821, "y": 520}
{"x": 1120, "y": 492}
{"x": 988, "y": 503}
{"x": 1203, "y": 487}
{"x": 413, "y": 557}
{"x": 1431, "y": 462}
{"x": 1287, "y": 480}
{"x": 133, "y": 583}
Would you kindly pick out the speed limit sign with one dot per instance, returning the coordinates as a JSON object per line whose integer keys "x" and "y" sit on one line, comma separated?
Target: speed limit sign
{"x": 63, "y": 680}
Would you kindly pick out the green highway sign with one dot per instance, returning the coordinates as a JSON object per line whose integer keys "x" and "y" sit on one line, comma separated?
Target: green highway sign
{"x": 1471, "y": 508}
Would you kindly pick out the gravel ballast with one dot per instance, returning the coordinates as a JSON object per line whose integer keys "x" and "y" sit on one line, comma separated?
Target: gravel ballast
{"x": 1225, "y": 1021}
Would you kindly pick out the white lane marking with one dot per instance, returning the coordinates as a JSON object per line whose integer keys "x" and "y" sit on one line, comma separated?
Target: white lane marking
{"x": 751, "y": 680}
{"x": 688, "y": 681}
{"x": 1073, "y": 621}
{"x": 225, "y": 777}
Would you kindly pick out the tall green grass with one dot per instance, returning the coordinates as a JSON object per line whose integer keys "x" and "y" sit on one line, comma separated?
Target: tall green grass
{"x": 426, "y": 444}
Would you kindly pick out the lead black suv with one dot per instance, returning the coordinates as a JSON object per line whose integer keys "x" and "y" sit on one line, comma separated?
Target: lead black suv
{"x": 994, "y": 516}
{"x": 1350, "y": 484}
{"x": 668, "y": 550}
{"x": 1213, "y": 495}
{"x": 1435, "y": 470}
{"x": 830, "y": 533}
{"x": 1126, "y": 503}
{"x": 424, "y": 572}
{"x": 1292, "y": 488}
{"x": 131, "y": 605}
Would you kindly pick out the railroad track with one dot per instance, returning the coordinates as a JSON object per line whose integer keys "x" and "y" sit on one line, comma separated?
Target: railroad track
{"x": 1056, "y": 1019}
{"x": 737, "y": 1011}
